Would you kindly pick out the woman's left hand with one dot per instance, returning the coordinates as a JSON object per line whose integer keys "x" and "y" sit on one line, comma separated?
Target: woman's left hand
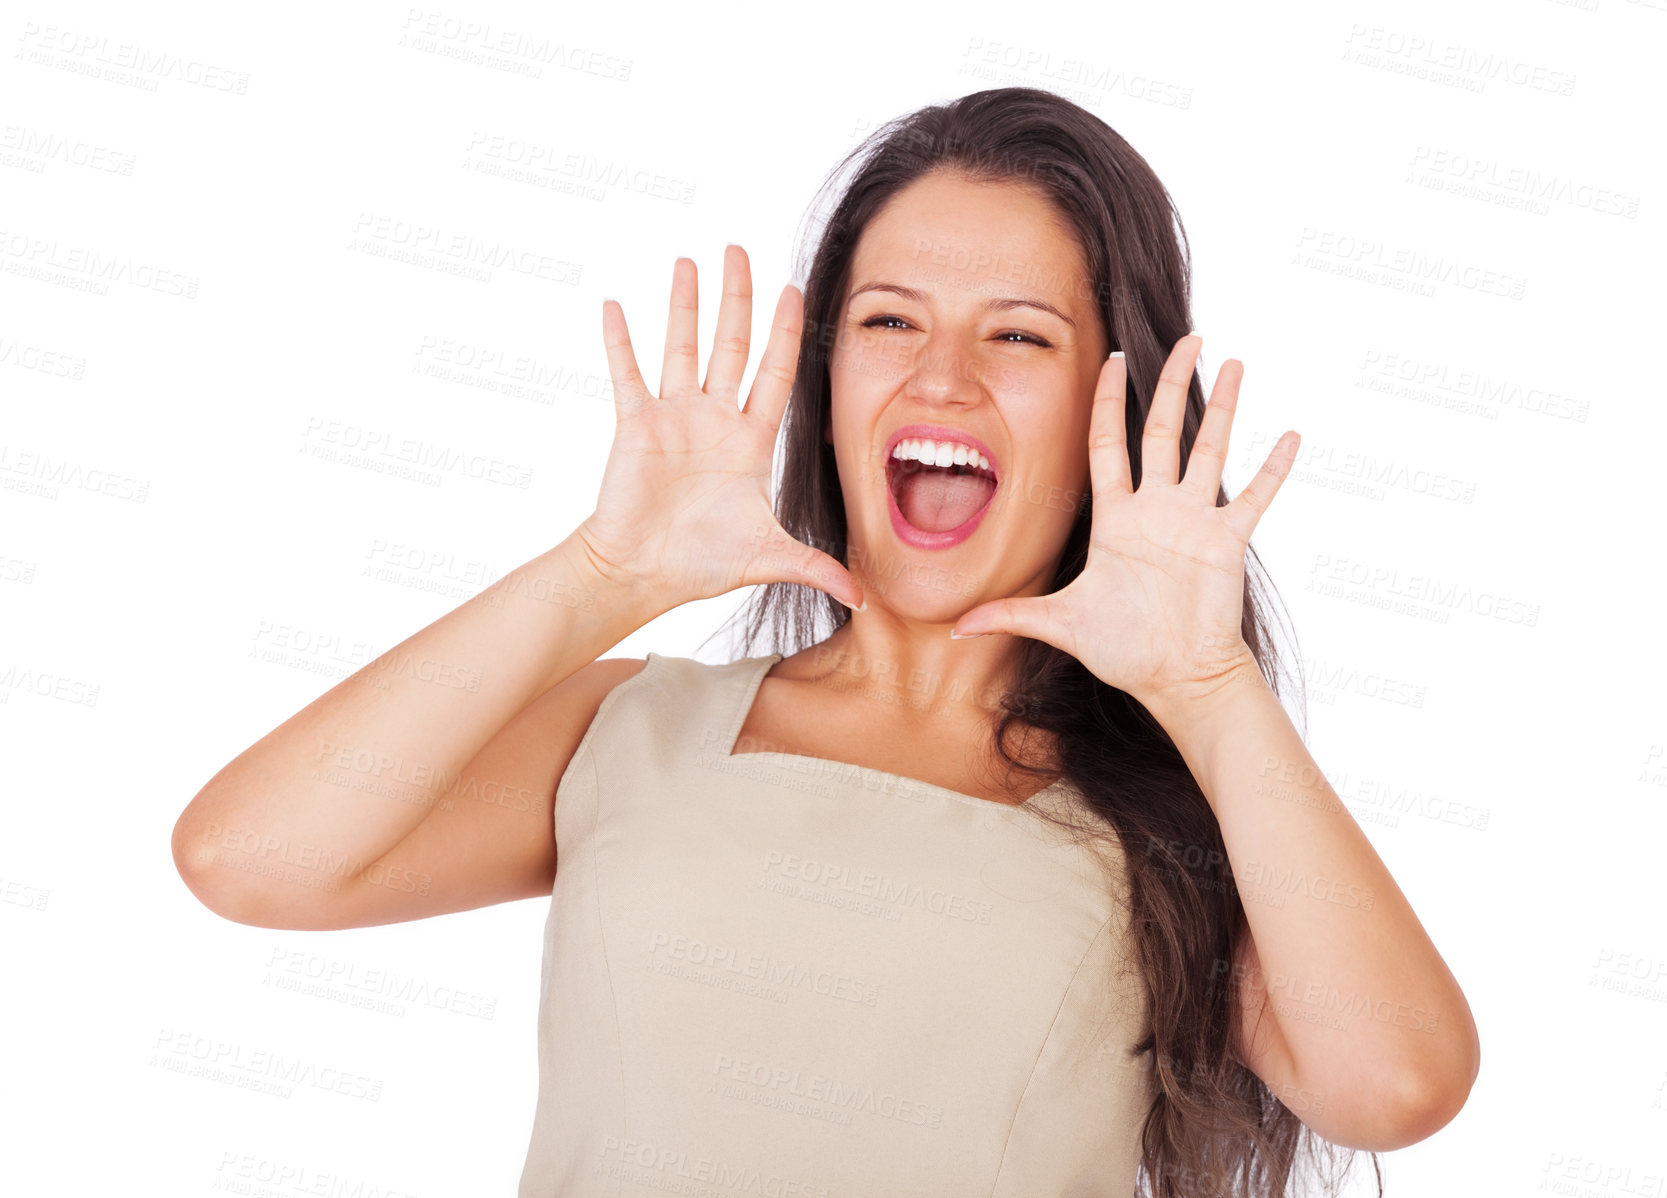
{"x": 1156, "y": 610}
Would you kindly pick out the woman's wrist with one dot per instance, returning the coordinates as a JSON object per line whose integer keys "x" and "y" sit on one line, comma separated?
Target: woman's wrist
{"x": 609, "y": 596}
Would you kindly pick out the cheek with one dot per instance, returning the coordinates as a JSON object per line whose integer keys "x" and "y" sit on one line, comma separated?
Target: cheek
{"x": 1055, "y": 412}
{"x": 1060, "y": 485}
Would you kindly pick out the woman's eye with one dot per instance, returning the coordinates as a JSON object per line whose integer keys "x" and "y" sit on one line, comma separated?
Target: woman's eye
{"x": 874, "y": 322}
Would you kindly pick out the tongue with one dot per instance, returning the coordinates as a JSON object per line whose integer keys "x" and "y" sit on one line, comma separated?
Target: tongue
{"x": 935, "y": 500}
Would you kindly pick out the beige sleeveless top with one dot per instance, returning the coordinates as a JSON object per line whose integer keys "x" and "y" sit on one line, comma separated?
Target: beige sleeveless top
{"x": 771, "y": 974}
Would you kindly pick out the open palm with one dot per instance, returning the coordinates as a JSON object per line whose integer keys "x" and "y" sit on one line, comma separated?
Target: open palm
{"x": 1159, "y": 601}
{"x": 684, "y": 507}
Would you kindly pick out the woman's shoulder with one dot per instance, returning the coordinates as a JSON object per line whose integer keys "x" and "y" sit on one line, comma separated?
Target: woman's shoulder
{"x": 693, "y": 667}
{"x": 663, "y": 671}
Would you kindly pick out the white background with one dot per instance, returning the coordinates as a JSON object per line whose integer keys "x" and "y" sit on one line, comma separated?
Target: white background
{"x": 1509, "y": 767}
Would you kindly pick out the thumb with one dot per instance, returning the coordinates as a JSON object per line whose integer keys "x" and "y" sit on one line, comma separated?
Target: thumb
{"x": 1015, "y": 617}
{"x": 785, "y": 559}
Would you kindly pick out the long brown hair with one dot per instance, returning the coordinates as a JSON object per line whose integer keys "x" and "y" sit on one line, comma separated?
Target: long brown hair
{"x": 1214, "y": 1126}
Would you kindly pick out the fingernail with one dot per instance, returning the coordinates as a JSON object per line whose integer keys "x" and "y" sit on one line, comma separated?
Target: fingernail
{"x": 962, "y": 636}
{"x": 864, "y": 606}
{"x": 1116, "y": 353}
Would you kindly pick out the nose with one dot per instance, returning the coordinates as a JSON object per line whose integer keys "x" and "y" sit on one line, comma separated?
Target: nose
{"x": 942, "y": 372}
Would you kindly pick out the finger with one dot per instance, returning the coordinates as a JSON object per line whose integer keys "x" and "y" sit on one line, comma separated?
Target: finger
{"x": 1033, "y": 616}
{"x": 734, "y": 336}
{"x": 677, "y": 372}
{"x": 1160, "y": 444}
{"x": 774, "y": 381}
{"x": 1209, "y": 448}
{"x": 1108, "y": 438}
{"x": 1247, "y": 507}
{"x": 781, "y": 558}
{"x": 630, "y": 389}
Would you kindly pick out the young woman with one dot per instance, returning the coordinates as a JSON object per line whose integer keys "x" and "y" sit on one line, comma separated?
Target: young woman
{"x": 1012, "y": 876}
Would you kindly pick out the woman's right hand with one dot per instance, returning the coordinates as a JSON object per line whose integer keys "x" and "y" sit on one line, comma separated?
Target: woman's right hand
{"x": 684, "y": 508}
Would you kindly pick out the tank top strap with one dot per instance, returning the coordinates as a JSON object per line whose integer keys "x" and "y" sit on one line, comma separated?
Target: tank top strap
{"x": 740, "y": 690}
{"x": 696, "y": 710}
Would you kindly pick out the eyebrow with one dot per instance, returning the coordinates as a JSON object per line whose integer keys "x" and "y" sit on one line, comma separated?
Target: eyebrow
{"x": 1005, "y": 303}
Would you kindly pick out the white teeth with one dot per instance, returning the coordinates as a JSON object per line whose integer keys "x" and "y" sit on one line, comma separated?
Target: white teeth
{"x": 940, "y": 453}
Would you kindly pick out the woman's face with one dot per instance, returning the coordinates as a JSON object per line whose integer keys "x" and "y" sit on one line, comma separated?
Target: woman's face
{"x": 969, "y": 309}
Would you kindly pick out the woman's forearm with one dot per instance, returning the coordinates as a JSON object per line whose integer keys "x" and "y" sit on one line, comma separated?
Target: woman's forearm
{"x": 1363, "y": 1001}
{"x": 348, "y": 776}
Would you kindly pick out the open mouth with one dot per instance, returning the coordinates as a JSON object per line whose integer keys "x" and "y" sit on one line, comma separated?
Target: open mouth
{"x": 938, "y": 498}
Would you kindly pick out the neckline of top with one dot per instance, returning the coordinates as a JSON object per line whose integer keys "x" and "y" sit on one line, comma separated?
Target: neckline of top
{"x": 755, "y": 680}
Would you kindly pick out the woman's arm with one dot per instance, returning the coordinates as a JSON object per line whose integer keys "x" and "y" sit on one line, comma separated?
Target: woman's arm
{"x": 1363, "y": 1031}
{"x": 1370, "y": 1040}
{"x": 289, "y": 833}
{"x": 334, "y": 792}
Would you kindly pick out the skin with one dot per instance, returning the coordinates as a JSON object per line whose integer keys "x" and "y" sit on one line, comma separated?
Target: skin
{"x": 1155, "y": 612}
{"x": 1343, "y": 1006}
{"x": 921, "y": 700}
